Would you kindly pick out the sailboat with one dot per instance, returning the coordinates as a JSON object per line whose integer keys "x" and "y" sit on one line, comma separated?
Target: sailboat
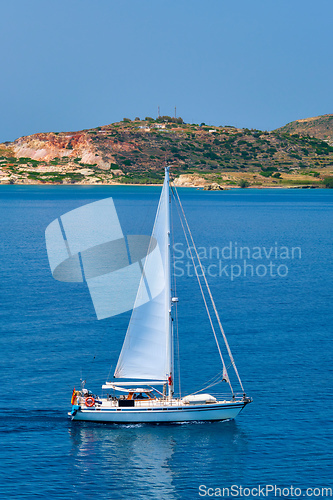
{"x": 142, "y": 389}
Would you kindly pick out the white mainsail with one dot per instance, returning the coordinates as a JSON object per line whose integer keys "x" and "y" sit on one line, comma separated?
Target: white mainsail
{"x": 147, "y": 351}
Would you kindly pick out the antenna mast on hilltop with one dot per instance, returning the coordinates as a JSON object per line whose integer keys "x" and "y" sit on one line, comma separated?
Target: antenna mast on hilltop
{"x": 175, "y": 112}
{"x": 158, "y": 112}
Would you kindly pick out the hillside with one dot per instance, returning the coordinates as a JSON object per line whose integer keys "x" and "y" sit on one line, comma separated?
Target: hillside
{"x": 136, "y": 151}
{"x": 318, "y": 126}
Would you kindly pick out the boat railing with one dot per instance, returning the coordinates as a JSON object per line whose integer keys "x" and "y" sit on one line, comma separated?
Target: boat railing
{"x": 220, "y": 396}
{"x": 158, "y": 402}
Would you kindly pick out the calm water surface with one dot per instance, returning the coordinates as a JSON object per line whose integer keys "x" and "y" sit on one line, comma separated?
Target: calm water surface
{"x": 279, "y": 328}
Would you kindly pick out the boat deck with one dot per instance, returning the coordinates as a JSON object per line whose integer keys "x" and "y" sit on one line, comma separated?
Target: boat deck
{"x": 152, "y": 403}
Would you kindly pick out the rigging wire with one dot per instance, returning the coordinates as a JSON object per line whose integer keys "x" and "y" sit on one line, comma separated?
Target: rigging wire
{"x": 225, "y": 373}
{"x": 210, "y": 383}
{"x": 210, "y": 295}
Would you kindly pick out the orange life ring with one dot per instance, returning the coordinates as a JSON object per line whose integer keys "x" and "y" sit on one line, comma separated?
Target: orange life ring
{"x": 89, "y": 402}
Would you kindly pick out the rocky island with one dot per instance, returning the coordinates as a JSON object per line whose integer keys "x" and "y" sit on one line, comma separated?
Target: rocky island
{"x": 211, "y": 157}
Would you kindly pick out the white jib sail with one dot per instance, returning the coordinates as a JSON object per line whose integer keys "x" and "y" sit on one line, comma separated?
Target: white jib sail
{"x": 146, "y": 352}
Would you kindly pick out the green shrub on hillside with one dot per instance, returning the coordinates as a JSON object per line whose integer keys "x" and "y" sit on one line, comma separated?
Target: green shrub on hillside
{"x": 328, "y": 182}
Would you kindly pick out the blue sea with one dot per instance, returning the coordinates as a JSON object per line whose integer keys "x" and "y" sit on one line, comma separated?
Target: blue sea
{"x": 268, "y": 256}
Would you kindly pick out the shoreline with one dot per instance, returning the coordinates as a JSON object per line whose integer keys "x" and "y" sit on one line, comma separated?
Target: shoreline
{"x": 197, "y": 188}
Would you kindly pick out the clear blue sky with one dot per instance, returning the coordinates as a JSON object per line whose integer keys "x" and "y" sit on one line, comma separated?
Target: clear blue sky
{"x": 69, "y": 64}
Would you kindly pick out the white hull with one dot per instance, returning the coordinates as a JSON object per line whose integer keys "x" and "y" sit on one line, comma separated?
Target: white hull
{"x": 188, "y": 413}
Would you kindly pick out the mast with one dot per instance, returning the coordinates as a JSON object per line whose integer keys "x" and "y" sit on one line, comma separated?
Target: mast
{"x": 168, "y": 318}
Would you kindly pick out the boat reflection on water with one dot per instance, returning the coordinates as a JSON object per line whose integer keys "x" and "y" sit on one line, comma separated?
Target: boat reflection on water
{"x": 144, "y": 460}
